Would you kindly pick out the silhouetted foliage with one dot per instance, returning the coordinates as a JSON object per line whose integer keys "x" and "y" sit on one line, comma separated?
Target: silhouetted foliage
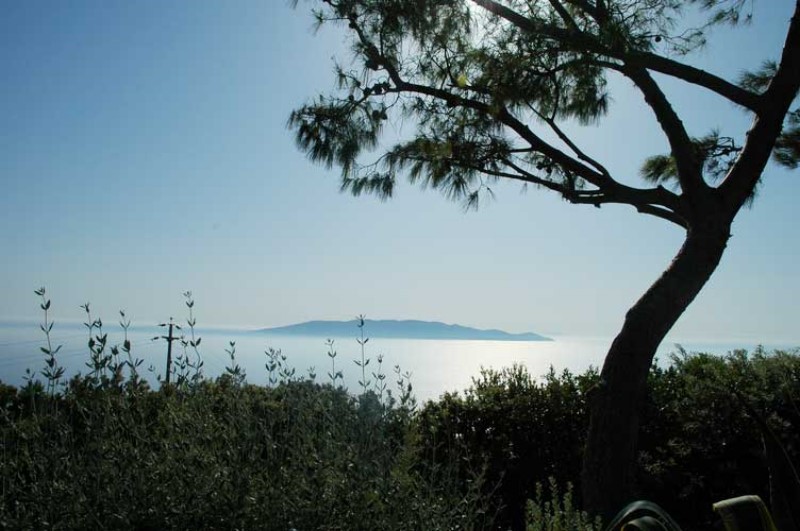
{"x": 521, "y": 429}
{"x": 104, "y": 450}
{"x": 698, "y": 444}
{"x": 494, "y": 90}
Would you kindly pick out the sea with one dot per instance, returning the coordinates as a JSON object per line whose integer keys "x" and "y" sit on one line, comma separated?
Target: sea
{"x": 433, "y": 367}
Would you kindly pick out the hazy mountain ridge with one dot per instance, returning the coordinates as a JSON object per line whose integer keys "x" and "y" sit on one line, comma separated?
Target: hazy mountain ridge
{"x": 401, "y": 329}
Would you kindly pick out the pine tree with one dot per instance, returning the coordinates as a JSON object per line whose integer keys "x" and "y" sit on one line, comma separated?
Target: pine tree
{"x": 491, "y": 87}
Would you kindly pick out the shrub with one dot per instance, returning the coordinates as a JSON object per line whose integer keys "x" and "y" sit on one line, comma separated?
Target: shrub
{"x": 698, "y": 443}
{"x": 514, "y": 428}
{"x": 104, "y": 450}
{"x": 557, "y": 512}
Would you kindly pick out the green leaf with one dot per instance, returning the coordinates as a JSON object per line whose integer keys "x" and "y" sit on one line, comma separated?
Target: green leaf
{"x": 759, "y": 80}
{"x": 787, "y": 146}
{"x": 659, "y": 169}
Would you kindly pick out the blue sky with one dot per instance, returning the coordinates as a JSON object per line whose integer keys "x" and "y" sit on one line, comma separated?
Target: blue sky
{"x": 143, "y": 153}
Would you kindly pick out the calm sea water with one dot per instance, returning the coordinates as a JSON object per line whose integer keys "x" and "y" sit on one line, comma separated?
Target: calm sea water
{"x": 436, "y": 366}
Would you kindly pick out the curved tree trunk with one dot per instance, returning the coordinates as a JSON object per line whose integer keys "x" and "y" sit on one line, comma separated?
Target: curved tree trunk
{"x": 615, "y": 405}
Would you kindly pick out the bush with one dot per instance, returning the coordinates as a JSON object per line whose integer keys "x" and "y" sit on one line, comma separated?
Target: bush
{"x": 557, "y": 513}
{"x": 698, "y": 443}
{"x": 214, "y": 455}
{"x": 514, "y": 428}
{"x": 104, "y": 450}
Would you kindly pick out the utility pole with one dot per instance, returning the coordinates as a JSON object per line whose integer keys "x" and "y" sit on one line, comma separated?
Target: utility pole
{"x": 169, "y": 338}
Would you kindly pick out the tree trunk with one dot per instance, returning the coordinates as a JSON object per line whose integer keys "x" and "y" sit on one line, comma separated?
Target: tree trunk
{"x": 615, "y": 404}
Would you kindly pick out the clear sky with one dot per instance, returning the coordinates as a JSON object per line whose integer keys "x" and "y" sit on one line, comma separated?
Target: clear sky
{"x": 143, "y": 153}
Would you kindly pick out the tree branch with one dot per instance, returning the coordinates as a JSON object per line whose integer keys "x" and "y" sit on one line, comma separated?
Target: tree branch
{"x": 663, "y": 214}
{"x": 652, "y": 202}
{"x": 569, "y": 142}
{"x": 625, "y": 196}
{"x": 564, "y": 14}
{"x": 579, "y": 41}
{"x": 740, "y": 182}
{"x": 690, "y": 169}
{"x": 522, "y": 175}
{"x": 502, "y": 115}
{"x": 594, "y": 12}
{"x": 696, "y": 76}
{"x": 658, "y": 201}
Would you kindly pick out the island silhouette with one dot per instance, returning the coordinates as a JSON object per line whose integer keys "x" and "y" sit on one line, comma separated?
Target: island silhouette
{"x": 400, "y": 329}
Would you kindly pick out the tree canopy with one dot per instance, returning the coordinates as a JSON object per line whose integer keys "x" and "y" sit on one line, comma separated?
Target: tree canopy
{"x": 492, "y": 87}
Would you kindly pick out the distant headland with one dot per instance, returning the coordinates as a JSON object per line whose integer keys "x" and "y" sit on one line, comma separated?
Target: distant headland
{"x": 406, "y": 329}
